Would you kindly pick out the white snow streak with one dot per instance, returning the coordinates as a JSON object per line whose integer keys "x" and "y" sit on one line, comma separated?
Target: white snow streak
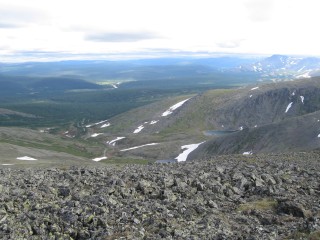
{"x": 138, "y": 129}
{"x": 95, "y": 124}
{"x": 174, "y": 107}
{"x": 96, "y": 134}
{"x": 241, "y": 128}
{"x": 128, "y": 149}
{"x": 99, "y": 159}
{"x": 7, "y": 164}
{"x": 105, "y": 125}
{"x": 288, "y": 107}
{"x": 254, "y": 88}
{"x": 188, "y": 149}
{"x": 153, "y": 122}
{"x": 301, "y": 69}
{"x": 302, "y": 98}
{"x": 318, "y": 135}
{"x": 114, "y": 86}
{"x": 250, "y": 96}
{"x": 247, "y": 153}
{"x": 113, "y": 142}
{"x": 305, "y": 75}
{"x": 26, "y": 158}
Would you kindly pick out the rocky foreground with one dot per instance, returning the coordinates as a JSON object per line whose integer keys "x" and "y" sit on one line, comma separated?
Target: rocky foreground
{"x": 228, "y": 197}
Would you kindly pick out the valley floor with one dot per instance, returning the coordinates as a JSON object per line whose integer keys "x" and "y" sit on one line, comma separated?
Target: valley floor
{"x": 226, "y": 197}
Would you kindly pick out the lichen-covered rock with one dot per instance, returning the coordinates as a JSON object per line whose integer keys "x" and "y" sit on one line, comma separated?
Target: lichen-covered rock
{"x": 227, "y": 197}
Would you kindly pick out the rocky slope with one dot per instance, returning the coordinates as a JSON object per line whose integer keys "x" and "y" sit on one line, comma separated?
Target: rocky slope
{"x": 278, "y": 117}
{"x": 226, "y": 197}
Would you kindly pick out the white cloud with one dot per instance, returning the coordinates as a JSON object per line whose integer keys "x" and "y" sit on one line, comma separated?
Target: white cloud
{"x": 231, "y": 43}
{"x": 126, "y": 26}
{"x": 17, "y": 16}
{"x": 259, "y": 10}
{"x": 120, "y": 36}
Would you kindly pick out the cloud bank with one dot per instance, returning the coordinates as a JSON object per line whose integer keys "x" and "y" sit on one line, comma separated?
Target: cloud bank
{"x": 16, "y": 17}
{"x": 120, "y": 36}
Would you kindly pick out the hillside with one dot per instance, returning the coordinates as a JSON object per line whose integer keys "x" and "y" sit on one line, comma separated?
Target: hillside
{"x": 277, "y": 117}
{"x": 273, "y": 118}
{"x": 21, "y": 147}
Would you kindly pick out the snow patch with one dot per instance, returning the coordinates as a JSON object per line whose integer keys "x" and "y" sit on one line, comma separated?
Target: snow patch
{"x": 254, "y": 88}
{"x": 99, "y": 159}
{"x": 105, "y": 125}
{"x": 294, "y": 93}
{"x": 247, "y": 153}
{"x": 113, "y": 142}
{"x": 95, "y": 124}
{"x": 318, "y": 135}
{"x": 288, "y": 107}
{"x": 96, "y": 134}
{"x": 26, "y": 158}
{"x": 114, "y": 85}
{"x": 7, "y": 164}
{"x": 138, "y": 129}
{"x": 255, "y": 126}
{"x": 302, "y": 98}
{"x": 174, "y": 107}
{"x": 128, "y": 149}
{"x": 188, "y": 149}
{"x": 250, "y": 96}
{"x": 305, "y": 75}
{"x": 153, "y": 122}
{"x": 70, "y": 136}
{"x": 241, "y": 128}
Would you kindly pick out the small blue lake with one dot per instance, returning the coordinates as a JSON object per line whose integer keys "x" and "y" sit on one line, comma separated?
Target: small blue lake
{"x": 218, "y": 132}
{"x": 167, "y": 161}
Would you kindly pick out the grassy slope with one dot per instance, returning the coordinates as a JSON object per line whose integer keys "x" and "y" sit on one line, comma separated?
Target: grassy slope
{"x": 184, "y": 126}
{"x": 24, "y": 139}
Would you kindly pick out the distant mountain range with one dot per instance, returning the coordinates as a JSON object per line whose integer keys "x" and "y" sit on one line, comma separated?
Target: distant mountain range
{"x": 284, "y": 67}
{"x": 274, "y": 68}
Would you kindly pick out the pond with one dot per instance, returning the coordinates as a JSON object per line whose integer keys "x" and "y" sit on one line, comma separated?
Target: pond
{"x": 218, "y": 132}
{"x": 167, "y": 161}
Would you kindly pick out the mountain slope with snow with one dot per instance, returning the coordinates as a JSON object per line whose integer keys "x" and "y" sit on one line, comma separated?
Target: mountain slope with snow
{"x": 281, "y": 117}
{"x": 246, "y": 120}
{"x": 281, "y": 67}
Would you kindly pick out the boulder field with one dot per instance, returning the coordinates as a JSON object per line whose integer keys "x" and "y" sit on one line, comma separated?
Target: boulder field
{"x": 273, "y": 196}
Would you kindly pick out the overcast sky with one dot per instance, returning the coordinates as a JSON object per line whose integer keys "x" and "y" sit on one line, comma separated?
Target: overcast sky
{"x": 66, "y": 29}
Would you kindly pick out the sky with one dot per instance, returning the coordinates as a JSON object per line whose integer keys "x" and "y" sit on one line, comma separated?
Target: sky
{"x": 45, "y": 30}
